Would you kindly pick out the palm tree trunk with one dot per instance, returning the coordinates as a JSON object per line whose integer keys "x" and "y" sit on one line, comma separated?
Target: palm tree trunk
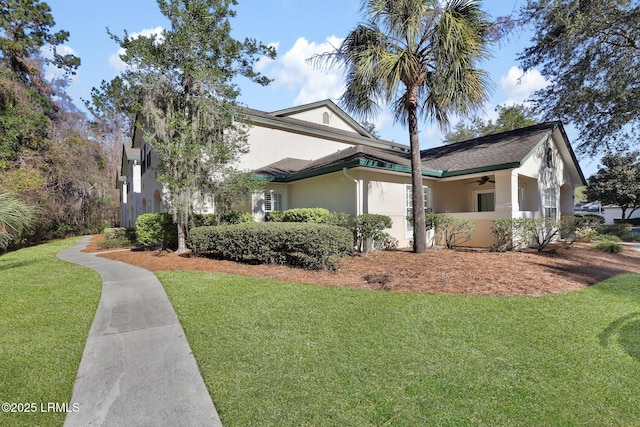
{"x": 419, "y": 228}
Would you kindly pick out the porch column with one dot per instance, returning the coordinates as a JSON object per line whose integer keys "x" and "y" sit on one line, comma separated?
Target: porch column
{"x": 507, "y": 191}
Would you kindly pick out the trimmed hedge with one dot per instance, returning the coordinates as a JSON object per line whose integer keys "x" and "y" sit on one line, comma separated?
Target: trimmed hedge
{"x": 310, "y": 215}
{"x": 228, "y": 217}
{"x": 152, "y": 228}
{"x": 311, "y": 246}
{"x": 632, "y": 221}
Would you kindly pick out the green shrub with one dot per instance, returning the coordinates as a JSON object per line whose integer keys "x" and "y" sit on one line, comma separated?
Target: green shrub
{"x": 119, "y": 242}
{"x": 223, "y": 218}
{"x": 310, "y": 215}
{"x": 340, "y": 219}
{"x": 632, "y": 221}
{"x": 311, "y": 246}
{"x": 274, "y": 216}
{"x": 544, "y": 231}
{"x": 152, "y": 228}
{"x": 589, "y": 220}
{"x": 386, "y": 242}
{"x": 453, "y": 231}
{"x": 609, "y": 243}
{"x": 368, "y": 228}
{"x": 115, "y": 233}
{"x": 623, "y": 231}
{"x": 511, "y": 233}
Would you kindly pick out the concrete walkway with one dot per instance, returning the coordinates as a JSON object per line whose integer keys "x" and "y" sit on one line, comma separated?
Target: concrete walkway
{"x": 137, "y": 368}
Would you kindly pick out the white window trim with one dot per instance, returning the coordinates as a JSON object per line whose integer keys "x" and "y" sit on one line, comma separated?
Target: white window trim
{"x": 546, "y": 205}
{"x": 428, "y": 201}
{"x": 272, "y": 192}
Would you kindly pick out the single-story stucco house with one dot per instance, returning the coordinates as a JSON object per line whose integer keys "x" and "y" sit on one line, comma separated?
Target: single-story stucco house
{"x": 316, "y": 155}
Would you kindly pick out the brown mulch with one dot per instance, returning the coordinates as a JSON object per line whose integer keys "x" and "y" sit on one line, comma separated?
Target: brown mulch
{"x": 438, "y": 271}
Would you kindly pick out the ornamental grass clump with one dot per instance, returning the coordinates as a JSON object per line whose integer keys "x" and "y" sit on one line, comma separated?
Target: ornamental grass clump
{"x": 609, "y": 243}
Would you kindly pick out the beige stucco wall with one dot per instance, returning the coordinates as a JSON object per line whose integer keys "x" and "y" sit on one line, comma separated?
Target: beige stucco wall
{"x": 333, "y": 191}
{"x": 267, "y": 145}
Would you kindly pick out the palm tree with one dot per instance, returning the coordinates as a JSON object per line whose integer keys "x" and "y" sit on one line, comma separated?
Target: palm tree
{"x": 419, "y": 56}
{"x": 15, "y": 217}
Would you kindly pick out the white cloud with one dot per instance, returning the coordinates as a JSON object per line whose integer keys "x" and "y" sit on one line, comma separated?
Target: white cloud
{"x": 519, "y": 86}
{"x": 292, "y": 71}
{"x": 117, "y": 63}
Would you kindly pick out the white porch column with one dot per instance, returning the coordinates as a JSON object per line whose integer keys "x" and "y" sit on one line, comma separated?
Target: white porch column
{"x": 507, "y": 191}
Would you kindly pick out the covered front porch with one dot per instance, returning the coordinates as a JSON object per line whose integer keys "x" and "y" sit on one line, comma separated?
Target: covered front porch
{"x": 482, "y": 198}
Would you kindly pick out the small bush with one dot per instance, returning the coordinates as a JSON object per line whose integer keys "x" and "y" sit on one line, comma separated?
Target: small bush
{"x": 311, "y": 246}
{"x": 152, "y": 228}
{"x": 623, "y": 231}
{"x": 119, "y": 242}
{"x": 544, "y": 231}
{"x": 589, "y": 220}
{"x": 586, "y": 234}
{"x": 609, "y": 243}
{"x": 386, "y": 242}
{"x": 511, "y": 233}
{"x": 368, "y": 228}
{"x": 115, "y": 233}
{"x": 453, "y": 231}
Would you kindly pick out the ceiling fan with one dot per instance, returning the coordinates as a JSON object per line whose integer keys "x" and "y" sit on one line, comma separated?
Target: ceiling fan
{"x": 483, "y": 180}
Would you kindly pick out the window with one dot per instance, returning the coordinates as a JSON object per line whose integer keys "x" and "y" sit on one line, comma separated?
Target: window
{"x": 486, "y": 202}
{"x": 550, "y": 203}
{"x": 428, "y": 207}
{"x": 549, "y": 156}
{"x": 325, "y": 118}
{"x": 273, "y": 201}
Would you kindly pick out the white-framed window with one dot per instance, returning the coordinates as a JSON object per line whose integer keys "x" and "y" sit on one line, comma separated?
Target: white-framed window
{"x": 484, "y": 200}
{"x": 428, "y": 206}
{"x": 550, "y": 203}
{"x": 274, "y": 201}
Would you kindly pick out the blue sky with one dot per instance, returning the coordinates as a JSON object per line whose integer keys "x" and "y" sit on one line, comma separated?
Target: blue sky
{"x": 298, "y": 29}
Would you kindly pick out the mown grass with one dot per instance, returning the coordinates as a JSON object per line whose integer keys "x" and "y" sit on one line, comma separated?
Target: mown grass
{"x": 275, "y": 353}
{"x": 47, "y": 307}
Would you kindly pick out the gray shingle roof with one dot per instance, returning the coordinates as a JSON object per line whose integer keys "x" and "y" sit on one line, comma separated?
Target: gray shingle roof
{"x": 492, "y": 152}
{"x": 487, "y": 151}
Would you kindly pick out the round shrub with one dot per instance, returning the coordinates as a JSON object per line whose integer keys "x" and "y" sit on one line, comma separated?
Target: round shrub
{"x": 152, "y": 228}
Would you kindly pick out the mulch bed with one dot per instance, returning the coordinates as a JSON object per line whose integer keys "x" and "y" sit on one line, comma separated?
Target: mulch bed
{"x": 439, "y": 271}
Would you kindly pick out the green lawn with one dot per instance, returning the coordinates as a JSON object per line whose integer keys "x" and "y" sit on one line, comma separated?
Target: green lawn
{"x": 46, "y": 310}
{"x": 275, "y": 353}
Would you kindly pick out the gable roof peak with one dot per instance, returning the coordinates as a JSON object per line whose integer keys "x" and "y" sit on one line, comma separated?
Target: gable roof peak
{"x": 330, "y": 105}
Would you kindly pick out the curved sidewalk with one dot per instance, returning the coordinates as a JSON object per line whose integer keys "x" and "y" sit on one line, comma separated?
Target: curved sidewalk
{"x": 137, "y": 368}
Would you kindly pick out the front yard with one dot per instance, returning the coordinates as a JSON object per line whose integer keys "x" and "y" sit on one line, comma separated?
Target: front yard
{"x": 278, "y": 353}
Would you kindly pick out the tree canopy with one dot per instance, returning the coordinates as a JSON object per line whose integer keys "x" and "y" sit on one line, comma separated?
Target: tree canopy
{"x": 617, "y": 182}
{"x": 25, "y": 28}
{"x": 53, "y": 171}
{"x": 589, "y": 52}
{"x": 420, "y": 57}
{"x": 509, "y": 118}
{"x": 183, "y": 81}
